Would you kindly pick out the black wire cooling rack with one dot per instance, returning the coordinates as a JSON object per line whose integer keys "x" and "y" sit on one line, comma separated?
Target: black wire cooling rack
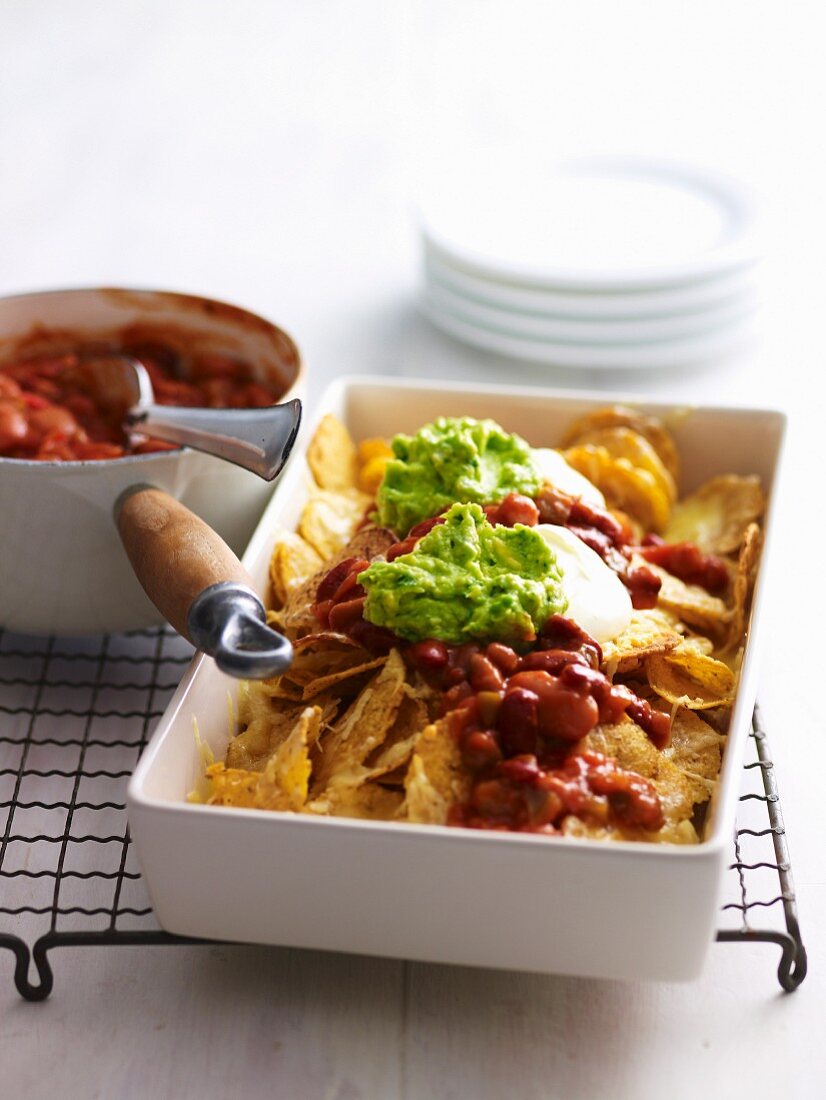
{"x": 74, "y": 718}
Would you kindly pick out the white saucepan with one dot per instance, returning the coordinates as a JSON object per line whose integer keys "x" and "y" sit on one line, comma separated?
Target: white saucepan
{"x": 63, "y": 569}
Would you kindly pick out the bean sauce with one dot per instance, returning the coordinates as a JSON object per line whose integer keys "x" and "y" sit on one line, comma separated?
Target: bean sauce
{"x": 49, "y": 410}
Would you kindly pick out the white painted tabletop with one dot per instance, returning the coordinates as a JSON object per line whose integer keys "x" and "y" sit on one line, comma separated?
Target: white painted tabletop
{"x": 264, "y": 152}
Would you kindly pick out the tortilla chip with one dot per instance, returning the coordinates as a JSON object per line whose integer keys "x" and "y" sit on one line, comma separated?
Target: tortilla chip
{"x": 368, "y": 800}
{"x": 330, "y": 519}
{"x": 689, "y": 602}
{"x": 696, "y": 749}
{"x": 331, "y": 455}
{"x": 293, "y": 561}
{"x": 231, "y": 786}
{"x": 619, "y": 416}
{"x": 364, "y": 725}
{"x": 697, "y": 643}
{"x": 691, "y": 679}
{"x": 625, "y": 486}
{"x": 284, "y": 782}
{"x": 743, "y": 584}
{"x": 649, "y": 632}
{"x": 623, "y": 442}
{"x": 435, "y": 778}
{"x": 282, "y": 785}
{"x": 717, "y": 514}
{"x": 264, "y": 732}
{"x": 323, "y": 683}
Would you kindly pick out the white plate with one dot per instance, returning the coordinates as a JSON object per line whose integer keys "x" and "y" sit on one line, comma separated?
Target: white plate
{"x": 631, "y": 330}
{"x": 691, "y": 298}
{"x": 623, "y": 911}
{"x": 644, "y": 356}
{"x": 598, "y": 223}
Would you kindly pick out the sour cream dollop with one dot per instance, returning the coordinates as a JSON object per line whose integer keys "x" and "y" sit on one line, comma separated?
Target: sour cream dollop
{"x": 598, "y": 601}
{"x": 552, "y": 467}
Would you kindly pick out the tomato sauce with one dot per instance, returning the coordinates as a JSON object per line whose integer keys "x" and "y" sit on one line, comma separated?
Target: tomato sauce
{"x": 49, "y": 410}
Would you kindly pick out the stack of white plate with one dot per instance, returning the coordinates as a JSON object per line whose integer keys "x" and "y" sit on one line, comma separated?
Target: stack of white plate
{"x": 605, "y": 263}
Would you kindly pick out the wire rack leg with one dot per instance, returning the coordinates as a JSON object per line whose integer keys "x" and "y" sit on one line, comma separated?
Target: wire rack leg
{"x": 793, "y": 963}
{"x": 22, "y": 964}
{"x": 40, "y": 953}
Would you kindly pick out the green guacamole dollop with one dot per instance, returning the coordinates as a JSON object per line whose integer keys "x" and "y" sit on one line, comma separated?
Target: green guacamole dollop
{"x": 467, "y": 580}
{"x": 452, "y": 459}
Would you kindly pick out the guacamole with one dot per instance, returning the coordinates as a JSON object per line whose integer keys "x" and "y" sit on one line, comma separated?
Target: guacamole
{"x": 452, "y": 459}
{"x": 467, "y": 580}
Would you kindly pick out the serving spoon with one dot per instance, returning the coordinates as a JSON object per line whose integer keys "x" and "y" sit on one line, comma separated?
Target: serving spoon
{"x": 187, "y": 570}
{"x": 260, "y": 440}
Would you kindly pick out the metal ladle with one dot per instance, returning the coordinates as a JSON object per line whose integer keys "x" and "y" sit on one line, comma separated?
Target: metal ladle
{"x": 187, "y": 570}
{"x": 260, "y": 440}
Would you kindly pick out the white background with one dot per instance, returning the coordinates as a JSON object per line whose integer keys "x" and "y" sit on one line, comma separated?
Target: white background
{"x": 265, "y": 153}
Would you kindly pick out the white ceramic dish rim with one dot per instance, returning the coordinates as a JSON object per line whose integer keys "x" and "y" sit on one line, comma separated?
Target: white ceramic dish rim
{"x": 730, "y": 256}
{"x": 724, "y": 808}
{"x": 71, "y": 466}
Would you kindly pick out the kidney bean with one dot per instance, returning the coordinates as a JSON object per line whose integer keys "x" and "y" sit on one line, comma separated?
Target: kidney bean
{"x": 419, "y": 530}
{"x": 399, "y": 548}
{"x": 551, "y": 660}
{"x": 562, "y": 712}
{"x": 590, "y": 515}
{"x": 554, "y": 506}
{"x": 480, "y": 749}
{"x": 561, "y": 633}
{"x": 460, "y": 656}
{"x": 567, "y": 714}
{"x": 455, "y": 695}
{"x": 520, "y": 769}
{"x": 518, "y": 720}
{"x": 643, "y": 586}
{"x": 515, "y": 508}
{"x": 656, "y": 723}
{"x": 52, "y": 420}
{"x": 13, "y": 426}
{"x": 377, "y": 639}
{"x": 581, "y": 677}
{"x": 428, "y": 656}
{"x": 349, "y": 588}
{"x": 330, "y": 584}
{"x": 344, "y": 615}
{"x": 484, "y": 675}
{"x": 613, "y": 700}
{"x": 503, "y": 657}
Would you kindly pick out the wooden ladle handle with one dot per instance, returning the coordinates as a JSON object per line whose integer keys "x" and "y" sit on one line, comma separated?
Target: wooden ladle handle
{"x": 175, "y": 554}
{"x": 198, "y": 584}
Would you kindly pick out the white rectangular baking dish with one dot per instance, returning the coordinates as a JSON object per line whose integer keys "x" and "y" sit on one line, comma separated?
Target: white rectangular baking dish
{"x": 423, "y": 892}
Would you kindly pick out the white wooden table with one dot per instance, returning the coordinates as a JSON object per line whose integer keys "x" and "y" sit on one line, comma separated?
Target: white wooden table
{"x": 263, "y": 153}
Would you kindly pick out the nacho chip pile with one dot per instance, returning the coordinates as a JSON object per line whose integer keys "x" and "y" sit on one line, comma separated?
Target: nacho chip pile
{"x": 346, "y": 732}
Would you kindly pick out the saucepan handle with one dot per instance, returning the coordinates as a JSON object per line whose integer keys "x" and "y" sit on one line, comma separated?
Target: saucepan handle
{"x": 198, "y": 584}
